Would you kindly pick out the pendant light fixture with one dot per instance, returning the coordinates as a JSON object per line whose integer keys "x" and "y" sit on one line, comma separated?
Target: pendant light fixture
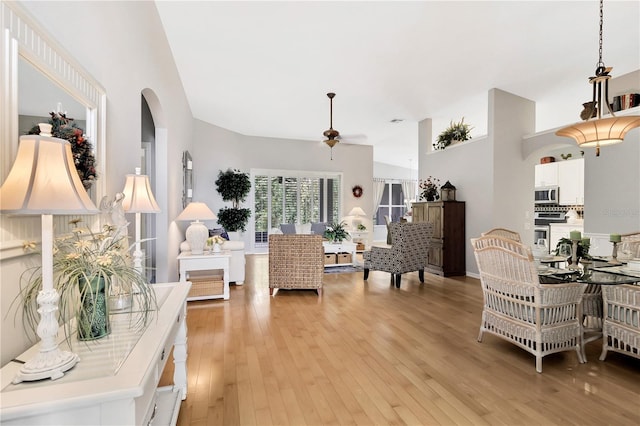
{"x": 596, "y": 131}
{"x": 331, "y": 134}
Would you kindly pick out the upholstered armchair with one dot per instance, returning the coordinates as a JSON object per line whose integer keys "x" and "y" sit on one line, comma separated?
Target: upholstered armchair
{"x": 540, "y": 318}
{"x": 296, "y": 261}
{"x": 408, "y": 253}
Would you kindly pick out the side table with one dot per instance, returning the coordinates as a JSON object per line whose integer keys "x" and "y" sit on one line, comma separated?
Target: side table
{"x": 336, "y": 248}
{"x": 205, "y": 262}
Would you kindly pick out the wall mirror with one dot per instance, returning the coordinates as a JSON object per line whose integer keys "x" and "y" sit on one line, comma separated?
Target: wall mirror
{"x": 187, "y": 187}
{"x": 40, "y": 76}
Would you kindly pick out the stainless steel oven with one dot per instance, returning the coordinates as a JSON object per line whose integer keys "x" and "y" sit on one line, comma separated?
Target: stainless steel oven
{"x": 541, "y": 224}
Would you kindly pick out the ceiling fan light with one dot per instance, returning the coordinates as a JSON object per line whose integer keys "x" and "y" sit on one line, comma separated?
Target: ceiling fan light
{"x": 331, "y": 142}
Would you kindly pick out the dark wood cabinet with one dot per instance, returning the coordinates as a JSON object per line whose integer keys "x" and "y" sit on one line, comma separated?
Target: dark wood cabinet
{"x": 446, "y": 256}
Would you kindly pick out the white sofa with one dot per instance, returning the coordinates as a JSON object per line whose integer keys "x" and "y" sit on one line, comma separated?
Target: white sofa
{"x": 236, "y": 263}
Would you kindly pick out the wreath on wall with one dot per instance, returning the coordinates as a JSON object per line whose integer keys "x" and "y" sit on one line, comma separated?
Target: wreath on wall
{"x": 357, "y": 191}
{"x": 66, "y": 128}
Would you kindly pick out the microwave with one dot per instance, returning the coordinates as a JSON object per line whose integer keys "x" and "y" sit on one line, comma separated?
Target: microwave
{"x": 547, "y": 195}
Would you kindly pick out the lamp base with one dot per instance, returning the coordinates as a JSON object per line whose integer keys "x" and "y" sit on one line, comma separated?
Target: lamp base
{"x": 46, "y": 365}
{"x": 197, "y": 234}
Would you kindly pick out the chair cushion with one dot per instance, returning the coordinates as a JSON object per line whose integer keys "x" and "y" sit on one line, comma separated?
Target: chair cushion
{"x": 303, "y": 228}
{"x": 288, "y": 228}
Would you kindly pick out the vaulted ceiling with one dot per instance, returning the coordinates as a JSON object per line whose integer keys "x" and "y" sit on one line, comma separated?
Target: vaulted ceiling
{"x": 263, "y": 68}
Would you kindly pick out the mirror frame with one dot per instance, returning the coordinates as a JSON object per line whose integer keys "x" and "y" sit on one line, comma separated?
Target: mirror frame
{"x": 23, "y": 37}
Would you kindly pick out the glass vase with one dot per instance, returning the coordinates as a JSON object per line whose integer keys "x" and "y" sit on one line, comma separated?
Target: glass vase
{"x": 93, "y": 317}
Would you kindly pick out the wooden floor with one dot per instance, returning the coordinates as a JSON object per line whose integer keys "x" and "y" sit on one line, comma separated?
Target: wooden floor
{"x": 368, "y": 353}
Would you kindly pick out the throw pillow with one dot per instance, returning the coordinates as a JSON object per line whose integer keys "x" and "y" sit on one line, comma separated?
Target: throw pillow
{"x": 318, "y": 228}
{"x": 288, "y": 228}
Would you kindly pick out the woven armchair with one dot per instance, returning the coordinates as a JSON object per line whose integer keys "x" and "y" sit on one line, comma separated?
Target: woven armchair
{"x": 631, "y": 243}
{"x": 503, "y": 232}
{"x": 621, "y": 329}
{"x": 540, "y": 318}
{"x": 408, "y": 252}
{"x": 296, "y": 262}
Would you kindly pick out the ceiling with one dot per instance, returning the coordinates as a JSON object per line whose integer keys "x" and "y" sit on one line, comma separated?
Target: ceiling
{"x": 263, "y": 68}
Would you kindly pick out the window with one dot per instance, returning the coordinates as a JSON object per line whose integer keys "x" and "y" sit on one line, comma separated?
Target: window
{"x": 293, "y": 197}
{"x": 391, "y": 204}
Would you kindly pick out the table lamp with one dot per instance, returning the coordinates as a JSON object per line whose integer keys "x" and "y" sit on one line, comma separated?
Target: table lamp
{"x": 356, "y": 212}
{"x": 44, "y": 181}
{"x": 197, "y": 233}
{"x": 138, "y": 198}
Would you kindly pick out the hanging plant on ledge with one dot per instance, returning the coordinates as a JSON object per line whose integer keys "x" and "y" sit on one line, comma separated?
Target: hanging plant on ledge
{"x": 66, "y": 128}
{"x": 456, "y": 132}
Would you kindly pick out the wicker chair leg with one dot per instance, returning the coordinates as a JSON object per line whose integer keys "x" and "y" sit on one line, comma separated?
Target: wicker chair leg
{"x": 366, "y": 273}
{"x": 582, "y": 356}
{"x": 603, "y": 355}
{"x": 271, "y": 292}
{"x": 421, "y": 275}
{"x": 398, "y": 278}
{"x": 319, "y": 292}
{"x": 538, "y": 363}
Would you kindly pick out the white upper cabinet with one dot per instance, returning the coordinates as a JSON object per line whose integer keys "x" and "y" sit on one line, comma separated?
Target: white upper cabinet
{"x": 571, "y": 182}
{"x": 546, "y": 174}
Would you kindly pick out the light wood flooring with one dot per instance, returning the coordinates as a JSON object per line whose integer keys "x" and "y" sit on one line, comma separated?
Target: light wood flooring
{"x": 368, "y": 353}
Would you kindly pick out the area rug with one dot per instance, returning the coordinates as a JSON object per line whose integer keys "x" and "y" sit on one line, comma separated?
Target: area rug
{"x": 342, "y": 269}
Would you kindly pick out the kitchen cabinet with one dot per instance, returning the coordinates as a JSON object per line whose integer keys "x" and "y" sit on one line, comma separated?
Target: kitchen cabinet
{"x": 546, "y": 174}
{"x": 571, "y": 182}
{"x": 446, "y": 254}
{"x": 561, "y": 230}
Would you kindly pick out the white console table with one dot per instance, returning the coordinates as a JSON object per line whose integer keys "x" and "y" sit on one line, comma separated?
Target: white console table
{"x": 343, "y": 247}
{"x": 205, "y": 262}
{"x": 116, "y": 380}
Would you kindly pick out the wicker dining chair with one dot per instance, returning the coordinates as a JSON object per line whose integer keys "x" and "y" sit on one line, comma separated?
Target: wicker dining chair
{"x": 540, "y": 318}
{"x": 630, "y": 243}
{"x": 296, "y": 261}
{"x": 621, "y": 330}
{"x": 503, "y": 232}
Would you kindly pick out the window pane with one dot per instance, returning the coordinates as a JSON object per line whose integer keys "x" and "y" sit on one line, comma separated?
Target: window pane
{"x": 396, "y": 213}
{"x": 309, "y": 200}
{"x": 290, "y": 200}
{"x": 396, "y": 194}
{"x": 261, "y": 187}
{"x": 381, "y": 213}
{"x": 276, "y": 202}
{"x": 384, "y": 201}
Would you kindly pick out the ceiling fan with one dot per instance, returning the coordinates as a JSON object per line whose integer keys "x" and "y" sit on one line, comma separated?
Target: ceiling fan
{"x": 331, "y": 134}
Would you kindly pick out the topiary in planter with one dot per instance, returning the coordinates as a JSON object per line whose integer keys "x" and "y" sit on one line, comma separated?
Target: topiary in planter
{"x": 234, "y": 186}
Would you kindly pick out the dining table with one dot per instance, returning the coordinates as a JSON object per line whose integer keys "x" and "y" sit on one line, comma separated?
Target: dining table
{"x": 595, "y": 273}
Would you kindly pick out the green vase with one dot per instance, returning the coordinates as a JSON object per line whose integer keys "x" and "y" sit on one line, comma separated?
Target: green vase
{"x": 93, "y": 318}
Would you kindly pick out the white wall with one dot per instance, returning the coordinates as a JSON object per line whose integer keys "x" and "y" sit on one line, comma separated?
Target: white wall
{"x": 219, "y": 149}
{"x": 122, "y": 45}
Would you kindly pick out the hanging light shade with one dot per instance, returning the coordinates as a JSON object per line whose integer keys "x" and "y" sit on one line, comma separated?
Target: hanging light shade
{"x": 596, "y": 131}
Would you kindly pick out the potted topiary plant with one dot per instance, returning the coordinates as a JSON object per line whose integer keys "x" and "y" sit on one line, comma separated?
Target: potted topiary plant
{"x": 234, "y": 186}
{"x": 456, "y": 132}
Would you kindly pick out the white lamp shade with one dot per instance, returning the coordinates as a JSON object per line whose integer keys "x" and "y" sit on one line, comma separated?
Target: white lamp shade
{"x": 357, "y": 211}
{"x": 196, "y": 211}
{"x": 138, "y": 197}
{"x": 44, "y": 180}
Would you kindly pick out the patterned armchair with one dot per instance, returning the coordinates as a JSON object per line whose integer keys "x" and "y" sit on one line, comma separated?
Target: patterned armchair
{"x": 408, "y": 252}
{"x": 540, "y": 318}
{"x": 296, "y": 261}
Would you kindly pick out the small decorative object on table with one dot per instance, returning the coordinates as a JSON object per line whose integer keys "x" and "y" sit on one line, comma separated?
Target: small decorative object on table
{"x": 448, "y": 192}
{"x": 580, "y": 248}
{"x": 429, "y": 189}
{"x": 214, "y": 243}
